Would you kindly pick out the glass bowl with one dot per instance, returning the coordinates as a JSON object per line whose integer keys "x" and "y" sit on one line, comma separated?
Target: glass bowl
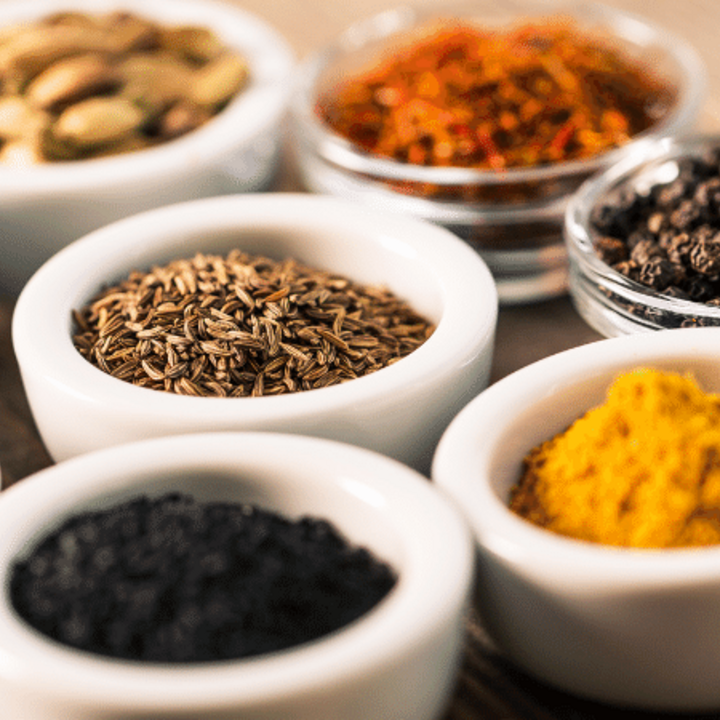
{"x": 608, "y": 300}
{"x": 513, "y": 217}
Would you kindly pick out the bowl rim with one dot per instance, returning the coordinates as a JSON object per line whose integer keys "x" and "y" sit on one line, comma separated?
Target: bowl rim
{"x": 578, "y": 234}
{"x": 41, "y": 320}
{"x": 340, "y": 152}
{"x": 461, "y": 464}
{"x": 432, "y": 589}
{"x": 246, "y": 117}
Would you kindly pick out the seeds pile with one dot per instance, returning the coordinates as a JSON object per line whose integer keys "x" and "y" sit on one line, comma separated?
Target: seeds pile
{"x": 77, "y": 86}
{"x": 669, "y": 238}
{"x": 172, "y": 579}
{"x": 244, "y": 325}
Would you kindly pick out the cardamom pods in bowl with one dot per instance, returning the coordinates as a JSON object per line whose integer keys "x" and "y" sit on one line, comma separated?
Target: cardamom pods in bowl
{"x": 97, "y": 84}
{"x": 113, "y": 107}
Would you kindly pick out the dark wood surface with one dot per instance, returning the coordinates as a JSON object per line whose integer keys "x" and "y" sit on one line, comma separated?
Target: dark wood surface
{"x": 487, "y": 687}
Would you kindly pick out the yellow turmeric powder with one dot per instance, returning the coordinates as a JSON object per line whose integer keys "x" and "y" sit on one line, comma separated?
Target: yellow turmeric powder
{"x": 641, "y": 470}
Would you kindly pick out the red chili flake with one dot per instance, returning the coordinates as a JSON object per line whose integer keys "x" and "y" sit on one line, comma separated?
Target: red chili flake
{"x": 461, "y": 95}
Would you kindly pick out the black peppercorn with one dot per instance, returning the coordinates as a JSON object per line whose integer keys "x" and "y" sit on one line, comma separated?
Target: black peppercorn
{"x": 657, "y": 273}
{"x": 705, "y": 257}
{"x": 685, "y": 215}
{"x": 707, "y": 194}
{"x": 656, "y": 223}
{"x": 611, "y": 250}
{"x": 667, "y": 238}
{"x": 644, "y": 250}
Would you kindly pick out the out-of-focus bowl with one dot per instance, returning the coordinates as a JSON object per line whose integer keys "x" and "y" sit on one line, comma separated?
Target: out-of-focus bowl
{"x": 44, "y": 207}
{"x": 609, "y": 301}
{"x": 400, "y": 410}
{"x": 397, "y": 660}
{"x": 515, "y": 217}
{"x": 634, "y": 627}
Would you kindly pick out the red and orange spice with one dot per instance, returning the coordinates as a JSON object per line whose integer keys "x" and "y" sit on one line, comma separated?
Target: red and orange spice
{"x": 462, "y": 95}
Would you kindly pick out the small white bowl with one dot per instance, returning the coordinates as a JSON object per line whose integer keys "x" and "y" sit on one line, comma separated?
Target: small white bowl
{"x": 45, "y": 207}
{"x": 400, "y": 410}
{"x": 398, "y": 660}
{"x": 635, "y": 627}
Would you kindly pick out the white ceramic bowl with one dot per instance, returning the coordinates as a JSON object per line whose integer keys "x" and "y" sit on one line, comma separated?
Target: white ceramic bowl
{"x": 400, "y": 410}
{"x": 636, "y": 627}
{"x": 45, "y": 207}
{"x": 398, "y": 660}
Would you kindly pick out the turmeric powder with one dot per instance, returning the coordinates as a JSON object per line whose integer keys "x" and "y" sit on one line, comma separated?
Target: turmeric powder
{"x": 641, "y": 470}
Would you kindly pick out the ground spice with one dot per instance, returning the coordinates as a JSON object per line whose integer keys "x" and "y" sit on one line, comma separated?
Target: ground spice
{"x": 244, "y": 325}
{"x": 641, "y": 470}
{"x": 172, "y": 579}
{"x": 667, "y": 238}
{"x": 534, "y": 94}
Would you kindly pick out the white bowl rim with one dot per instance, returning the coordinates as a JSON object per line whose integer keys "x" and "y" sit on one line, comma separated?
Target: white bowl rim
{"x": 41, "y": 320}
{"x": 432, "y": 587}
{"x": 462, "y": 457}
{"x": 255, "y": 108}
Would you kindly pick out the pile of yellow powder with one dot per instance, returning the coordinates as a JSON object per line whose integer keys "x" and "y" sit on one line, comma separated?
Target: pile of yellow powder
{"x": 641, "y": 470}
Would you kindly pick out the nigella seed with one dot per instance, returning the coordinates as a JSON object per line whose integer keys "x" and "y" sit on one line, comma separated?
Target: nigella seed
{"x": 172, "y": 579}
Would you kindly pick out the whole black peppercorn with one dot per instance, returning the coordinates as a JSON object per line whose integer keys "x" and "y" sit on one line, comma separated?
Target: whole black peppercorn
{"x": 611, "y": 250}
{"x": 699, "y": 288}
{"x": 628, "y": 268}
{"x": 685, "y": 215}
{"x": 707, "y": 194}
{"x": 672, "y": 193}
{"x": 670, "y": 234}
{"x": 679, "y": 249}
{"x": 705, "y": 257}
{"x": 645, "y": 250}
{"x": 175, "y": 580}
{"x": 657, "y": 273}
{"x": 656, "y": 223}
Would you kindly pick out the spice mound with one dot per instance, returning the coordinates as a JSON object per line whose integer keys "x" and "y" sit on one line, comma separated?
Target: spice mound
{"x": 174, "y": 580}
{"x": 668, "y": 237}
{"x": 77, "y": 86}
{"x": 244, "y": 325}
{"x": 530, "y": 94}
{"x": 641, "y": 470}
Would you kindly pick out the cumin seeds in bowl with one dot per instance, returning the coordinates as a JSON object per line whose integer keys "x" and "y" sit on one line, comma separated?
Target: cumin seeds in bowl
{"x": 244, "y": 325}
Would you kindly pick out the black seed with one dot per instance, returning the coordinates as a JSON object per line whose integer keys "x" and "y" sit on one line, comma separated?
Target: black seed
{"x": 175, "y": 580}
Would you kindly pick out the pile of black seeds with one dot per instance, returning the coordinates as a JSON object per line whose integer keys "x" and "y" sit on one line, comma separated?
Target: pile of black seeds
{"x": 669, "y": 238}
{"x": 174, "y": 580}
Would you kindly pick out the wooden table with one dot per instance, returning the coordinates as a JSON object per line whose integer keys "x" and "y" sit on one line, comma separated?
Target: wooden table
{"x": 487, "y": 687}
